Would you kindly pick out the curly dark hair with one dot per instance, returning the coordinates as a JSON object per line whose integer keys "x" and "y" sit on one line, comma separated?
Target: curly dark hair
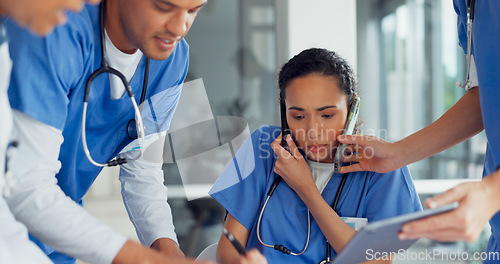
{"x": 318, "y": 61}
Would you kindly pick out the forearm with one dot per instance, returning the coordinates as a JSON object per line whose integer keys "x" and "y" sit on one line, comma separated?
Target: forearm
{"x": 39, "y": 203}
{"x": 145, "y": 198}
{"x": 132, "y": 252}
{"x": 226, "y": 253}
{"x": 148, "y": 210}
{"x": 65, "y": 226}
{"x": 14, "y": 242}
{"x": 167, "y": 246}
{"x": 459, "y": 123}
{"x": 150, "y": 225}
{"x": 492, "y": 189}
{"x": 336, "y": 231}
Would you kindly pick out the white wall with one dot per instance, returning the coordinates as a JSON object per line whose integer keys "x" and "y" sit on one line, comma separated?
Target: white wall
{"x": 327, "y": 24}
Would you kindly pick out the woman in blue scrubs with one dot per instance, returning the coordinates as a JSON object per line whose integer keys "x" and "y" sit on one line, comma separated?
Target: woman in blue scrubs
{"x": 317, "y": 87}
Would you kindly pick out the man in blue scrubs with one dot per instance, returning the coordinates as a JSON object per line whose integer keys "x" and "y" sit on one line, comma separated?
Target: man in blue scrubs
{"x": 479, "y": 108}
{"x": 46, "y": 92}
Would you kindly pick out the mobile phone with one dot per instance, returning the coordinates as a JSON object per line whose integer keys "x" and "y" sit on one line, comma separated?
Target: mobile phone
{"x": 285, "y": 130}
{"x": 352, "y": 117}
{"x": 236, "y": 244}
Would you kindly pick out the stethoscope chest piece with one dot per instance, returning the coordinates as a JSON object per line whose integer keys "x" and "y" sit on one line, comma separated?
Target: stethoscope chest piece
{"x": 132, "y": 129}
{"x": 325, "y": 261}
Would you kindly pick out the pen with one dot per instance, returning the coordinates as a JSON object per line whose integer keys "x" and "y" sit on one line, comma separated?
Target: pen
{"x": 237, "y": 245}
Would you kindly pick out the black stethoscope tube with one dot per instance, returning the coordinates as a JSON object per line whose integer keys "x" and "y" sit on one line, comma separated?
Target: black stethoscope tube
{"x": 470, "y": 8}
{"x": 138, "y": 124}
{"x": 334, "y": 207}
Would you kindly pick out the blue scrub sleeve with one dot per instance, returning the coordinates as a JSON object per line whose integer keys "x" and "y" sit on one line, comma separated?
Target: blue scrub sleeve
{"x": 461, "y": 23}
{"x": 242, "y": 185}
{"x": 391, "y": 194}
{"x": 485, "y": 42}
{"x": 44, "y": 69}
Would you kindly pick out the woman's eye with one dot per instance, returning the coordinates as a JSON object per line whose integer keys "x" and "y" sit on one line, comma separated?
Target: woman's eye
{"x": 194, "y": 11}
{"x": 163, "y": 9}
{"x": 327, "y": 116}
{"x": 298, "y": 117}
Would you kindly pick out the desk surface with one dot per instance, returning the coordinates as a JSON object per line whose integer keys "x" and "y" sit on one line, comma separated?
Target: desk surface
{"x": 437, "y": 186}
{"x": 425, "y": 187}
{"x": 189, "y": 191}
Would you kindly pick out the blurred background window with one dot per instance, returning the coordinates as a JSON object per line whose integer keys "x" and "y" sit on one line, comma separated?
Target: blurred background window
{"x": 409, "y": 60}
{"x": 408, "y": 63}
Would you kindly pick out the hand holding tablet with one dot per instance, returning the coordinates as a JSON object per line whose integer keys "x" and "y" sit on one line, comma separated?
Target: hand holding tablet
{"x": 382, "y": 236}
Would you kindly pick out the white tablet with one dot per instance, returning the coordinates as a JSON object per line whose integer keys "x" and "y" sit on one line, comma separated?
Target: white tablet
{"x": 382, "y": 237}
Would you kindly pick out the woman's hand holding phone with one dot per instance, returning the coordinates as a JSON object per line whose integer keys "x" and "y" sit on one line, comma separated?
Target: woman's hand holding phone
{"x": 292, "y": 166}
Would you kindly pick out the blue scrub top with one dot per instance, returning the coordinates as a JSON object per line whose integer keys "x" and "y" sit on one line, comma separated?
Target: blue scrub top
{"x": 242, "y": 190}
{"x": 48, "y": 82}
{"x": 486, "y": 50}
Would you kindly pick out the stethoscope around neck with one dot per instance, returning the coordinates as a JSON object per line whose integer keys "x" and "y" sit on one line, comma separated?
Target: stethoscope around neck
{"x": 135, "y": 127}
{"x": 284, "y": 249}
{"x": 273, "y": 187}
